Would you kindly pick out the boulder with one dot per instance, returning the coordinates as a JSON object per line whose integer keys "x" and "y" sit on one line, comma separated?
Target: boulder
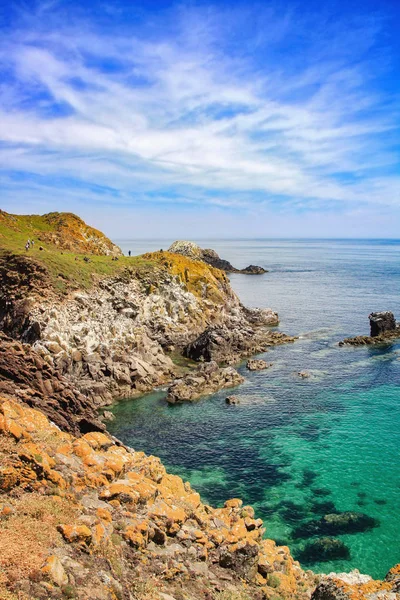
{"x": 207, "y": 379}
{"x": 381, "y": 322}
{"x": 257, "y": 364}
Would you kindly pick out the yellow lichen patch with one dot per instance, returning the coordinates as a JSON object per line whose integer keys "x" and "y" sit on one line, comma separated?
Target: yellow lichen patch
{"x": 161, "y": 511}
{"x": 79, "y": 534}
{"x": 202, "y": 280}
{"x": 122, "y": 491}
{"x": 98, "y": 440}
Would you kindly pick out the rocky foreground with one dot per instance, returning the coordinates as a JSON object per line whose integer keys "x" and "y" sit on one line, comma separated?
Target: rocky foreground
{"x": 89, "y": 518}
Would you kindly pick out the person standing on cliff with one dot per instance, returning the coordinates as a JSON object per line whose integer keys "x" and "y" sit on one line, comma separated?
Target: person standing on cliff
{"x": 129, "y": 252}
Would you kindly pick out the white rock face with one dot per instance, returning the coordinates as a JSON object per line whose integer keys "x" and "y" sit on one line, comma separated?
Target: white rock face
{"x": 113, "y": 342}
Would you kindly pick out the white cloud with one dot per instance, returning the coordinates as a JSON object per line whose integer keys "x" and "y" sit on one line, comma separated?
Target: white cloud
{"x": 180, "y": 112}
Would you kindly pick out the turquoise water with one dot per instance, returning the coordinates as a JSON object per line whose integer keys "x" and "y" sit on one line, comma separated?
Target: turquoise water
{"x": 294, "y": 448}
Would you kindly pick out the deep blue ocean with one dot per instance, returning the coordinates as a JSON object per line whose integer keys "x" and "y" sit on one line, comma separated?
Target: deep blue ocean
{"x": 297, "y": 449}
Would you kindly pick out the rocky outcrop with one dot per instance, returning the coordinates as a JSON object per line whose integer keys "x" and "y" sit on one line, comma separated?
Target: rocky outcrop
{"x": 87, "y": 518}
{"x": 227, "y": 344}
{"x": 209, "y": 256}
{"x": 257, "y": 364}
{"x": 381, "y": 322}
{"x": 27, "y": 376}
{"x": 253, "y": 270}
{"x": 383, "y": 329}
{"x": 207, "y": 379}
{"x": 114, "y": 340}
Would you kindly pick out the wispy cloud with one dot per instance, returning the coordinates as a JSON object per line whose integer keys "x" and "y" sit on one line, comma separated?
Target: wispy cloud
{"x": 228, "y": 108}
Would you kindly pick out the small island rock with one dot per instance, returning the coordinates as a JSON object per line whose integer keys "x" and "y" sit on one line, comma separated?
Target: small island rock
{"x": 257, "y": 364}
{"x": 206, "y": 379}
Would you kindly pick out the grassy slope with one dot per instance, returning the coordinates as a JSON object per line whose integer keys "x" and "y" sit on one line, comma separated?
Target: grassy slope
{"x": 67, "y": 269}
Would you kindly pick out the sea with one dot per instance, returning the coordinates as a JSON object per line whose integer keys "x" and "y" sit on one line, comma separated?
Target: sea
{"x": 297, "y": 448}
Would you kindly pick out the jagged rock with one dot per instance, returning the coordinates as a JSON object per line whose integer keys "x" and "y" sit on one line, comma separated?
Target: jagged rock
{"x": 207, "y": 379}
{"x": 255, "y": 364}
{"x": 381, "y": 322}
{"x": 349, "y": 586}
{"x": 27, "y": 376}
{"x": 383, "y": 329}
{"x": 228, "y": 344}
{"x": 124, "y": 521}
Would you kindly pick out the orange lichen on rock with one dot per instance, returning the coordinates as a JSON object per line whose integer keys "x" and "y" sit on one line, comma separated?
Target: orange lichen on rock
{"x": 88, "y": 509}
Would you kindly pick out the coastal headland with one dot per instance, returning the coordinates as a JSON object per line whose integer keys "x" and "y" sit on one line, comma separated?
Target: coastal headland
{"x": 81, "y": 515}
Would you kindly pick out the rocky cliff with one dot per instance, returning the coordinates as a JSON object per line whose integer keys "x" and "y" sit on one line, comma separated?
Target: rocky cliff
{"x": 113, "y": 325}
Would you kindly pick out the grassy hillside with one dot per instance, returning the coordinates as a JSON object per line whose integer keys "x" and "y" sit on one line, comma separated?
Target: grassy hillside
{"x": 68, "y": 255}
{"x": 72, "y": 254}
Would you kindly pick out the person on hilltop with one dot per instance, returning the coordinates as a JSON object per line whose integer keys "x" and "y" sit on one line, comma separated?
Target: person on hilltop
{"x": 129, "y": 252}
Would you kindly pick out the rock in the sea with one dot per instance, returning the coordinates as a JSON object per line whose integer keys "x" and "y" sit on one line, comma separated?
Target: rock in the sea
{"x": 207, "y": 378}
{"x": 108, "y": 416}
{"x": 324, "y": 549}
{"x": 257, "y": 364}
{"x": 253, "y": 270}
{"x": 228, "y": 344}
{"x": 383, "y": 329}
{"x": 381, "y": 322}
{"x": 304, "y": 374}
{"x": 232, "y": 400}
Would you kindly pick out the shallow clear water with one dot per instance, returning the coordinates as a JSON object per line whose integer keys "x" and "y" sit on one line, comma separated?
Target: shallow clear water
{"x": 295, "y": 448}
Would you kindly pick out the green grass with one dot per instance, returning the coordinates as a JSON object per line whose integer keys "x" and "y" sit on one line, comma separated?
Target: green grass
{"x": 67, "y": 270}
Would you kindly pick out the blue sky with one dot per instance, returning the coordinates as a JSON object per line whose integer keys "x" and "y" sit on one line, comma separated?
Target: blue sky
{"x": 198, "y": 119}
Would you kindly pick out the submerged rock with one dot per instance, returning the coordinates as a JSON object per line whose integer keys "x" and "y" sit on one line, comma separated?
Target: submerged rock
{"x": 336, "y": 524}
{"x": 324, "y": 549}
{"x": 208, "y": 378}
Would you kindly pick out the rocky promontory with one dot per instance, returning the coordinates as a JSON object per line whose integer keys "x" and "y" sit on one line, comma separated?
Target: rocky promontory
{"x": 211, "y": 257}
{"x": 113, "y": 328}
